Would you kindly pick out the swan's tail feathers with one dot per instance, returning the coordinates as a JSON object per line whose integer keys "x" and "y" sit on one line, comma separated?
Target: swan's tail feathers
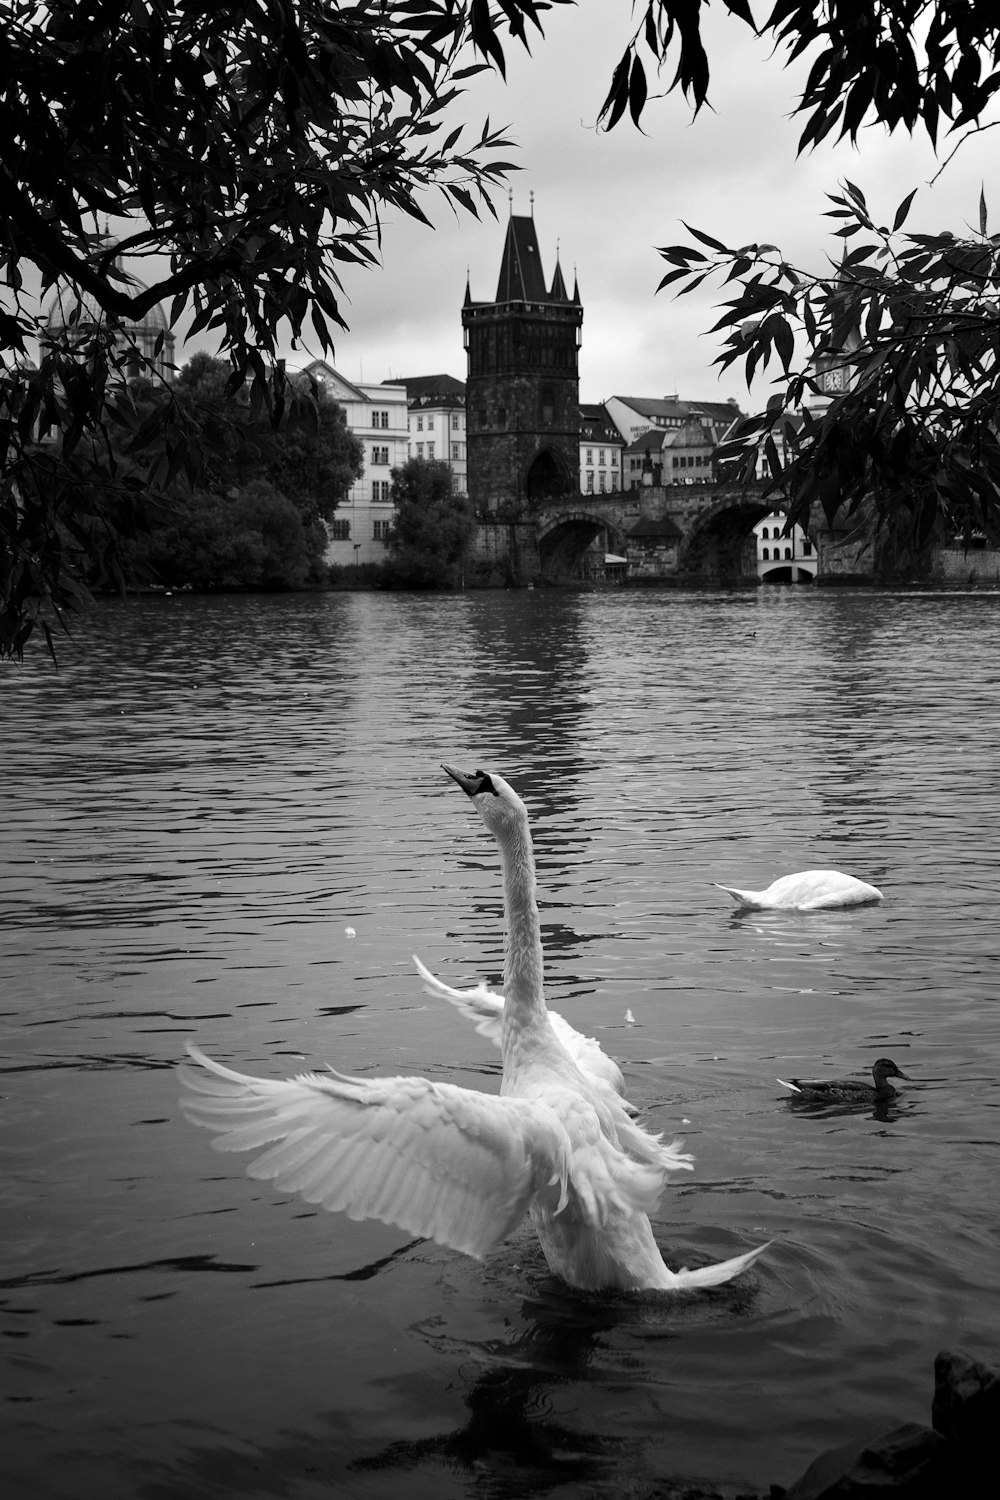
{"x": 480, "y": 1005}
{"x": 742, "y": 898}
{"x": 786, "y": 1085}
{"x": 721, "y": 1272}
{"x": 643, "y": 1145}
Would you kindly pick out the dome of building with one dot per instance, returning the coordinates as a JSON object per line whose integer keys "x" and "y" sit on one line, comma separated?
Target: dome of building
{"x": 66, "y": 308}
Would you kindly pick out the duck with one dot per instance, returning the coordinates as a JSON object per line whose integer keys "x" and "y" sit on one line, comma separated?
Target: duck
{"x": 849, "y": 1090}
{"x": 808, "y": 890}
{"x": 464, "y": 1167}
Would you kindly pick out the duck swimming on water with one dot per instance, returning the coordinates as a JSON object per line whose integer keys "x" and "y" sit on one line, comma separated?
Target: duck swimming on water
{"x": 849, "y": 1090}
{"x": 809, "y": 890}
{"x": 462, "y": 1167}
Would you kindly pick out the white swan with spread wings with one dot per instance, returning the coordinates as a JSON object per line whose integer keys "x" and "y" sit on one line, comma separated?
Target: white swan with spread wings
{"x": 462, "y": 1167}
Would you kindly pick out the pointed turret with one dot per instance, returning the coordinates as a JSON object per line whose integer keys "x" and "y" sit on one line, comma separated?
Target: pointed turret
{"x": 521, "y": 278}
{"x": 558, "y": 292}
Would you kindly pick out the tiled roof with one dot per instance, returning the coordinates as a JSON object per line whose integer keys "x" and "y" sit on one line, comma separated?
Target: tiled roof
{"x": 596, "y": 426}
{"x": 675, "y": 409}
{"x": 443, "y": 388}
{"x": 652, "y": 439}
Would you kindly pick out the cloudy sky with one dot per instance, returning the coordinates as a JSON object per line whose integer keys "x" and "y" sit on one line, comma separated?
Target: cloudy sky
{"x": 607, "y": 200}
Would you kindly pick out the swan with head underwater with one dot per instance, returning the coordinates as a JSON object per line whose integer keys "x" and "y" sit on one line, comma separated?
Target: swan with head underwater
{"x": 461, "y": 1167}
{"x": 807, "y": 890}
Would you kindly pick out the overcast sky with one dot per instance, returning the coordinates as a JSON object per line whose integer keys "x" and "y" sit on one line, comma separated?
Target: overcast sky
{"x": 608, "y": 200}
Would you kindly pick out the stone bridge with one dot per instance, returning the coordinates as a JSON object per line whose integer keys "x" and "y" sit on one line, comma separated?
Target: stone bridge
{"x": 680, "y": 534}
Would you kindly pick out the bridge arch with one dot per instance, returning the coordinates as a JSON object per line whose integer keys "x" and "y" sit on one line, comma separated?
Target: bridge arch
{"x": 565, "y": 538}
{"x": 719, "y": 545}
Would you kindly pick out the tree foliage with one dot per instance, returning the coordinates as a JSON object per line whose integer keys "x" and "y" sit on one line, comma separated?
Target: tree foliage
{"x": 908, "y": 325}
{"x": 908, "y": 63}
{"x": 256, "y": 516}
{"x": 433, "y": 528}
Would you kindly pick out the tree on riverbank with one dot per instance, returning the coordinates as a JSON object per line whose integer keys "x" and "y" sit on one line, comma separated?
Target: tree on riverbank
{"x": 247, "y": 150}
{"x": 256, "y": 518}
{"x": 433, "y": 529}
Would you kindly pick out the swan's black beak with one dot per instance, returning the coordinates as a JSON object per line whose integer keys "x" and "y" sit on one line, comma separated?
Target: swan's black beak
{"x": 471, "y": 785}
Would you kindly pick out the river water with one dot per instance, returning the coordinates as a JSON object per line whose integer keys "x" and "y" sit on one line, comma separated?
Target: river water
{"x": 225, "y": 821}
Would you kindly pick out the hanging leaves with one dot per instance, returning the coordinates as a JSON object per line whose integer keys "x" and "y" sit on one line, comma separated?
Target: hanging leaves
{"x": 884, "y": 412}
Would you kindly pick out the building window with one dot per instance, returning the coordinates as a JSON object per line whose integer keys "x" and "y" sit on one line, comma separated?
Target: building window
{"x": 340, "y": 531}
{"x": 807, "y": 548}
{"x": 454, "y": 421}
{"x": 764, "y": 532}
{"x": 380, "y": 419}
{"x": 381, "y": 455}
{"x": 420, "y": 450}
{"x": 602, "y": 483}
{"x": 590, "y": 456}
{"x": 590, "y": 481}
{"x": 430, "y": 450}
{"x": 765, "y": 554}
{"x": 788, "y": 552}
{"x": 420, "y": 424}
{"x": 382, "y": 530}
{"x": 456, "y": 452}
{"x": 600, "y": 456}
{"x": 430, "y": 424}
{"x": 380, "y": 489}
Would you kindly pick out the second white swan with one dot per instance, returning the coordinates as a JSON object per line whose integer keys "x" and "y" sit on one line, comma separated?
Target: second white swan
{"x": 808, "y": 890}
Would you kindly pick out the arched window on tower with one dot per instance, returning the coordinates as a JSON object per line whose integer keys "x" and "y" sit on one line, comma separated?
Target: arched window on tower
{"x": 548, "y": 406}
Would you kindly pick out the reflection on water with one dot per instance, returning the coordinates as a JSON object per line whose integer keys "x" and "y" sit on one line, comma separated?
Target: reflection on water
{"x": 224, "y": 819}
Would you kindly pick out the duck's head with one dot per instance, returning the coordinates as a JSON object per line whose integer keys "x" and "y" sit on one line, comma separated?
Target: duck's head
{"x": 886, "y": 1068}
{"x": 495, "y": 800}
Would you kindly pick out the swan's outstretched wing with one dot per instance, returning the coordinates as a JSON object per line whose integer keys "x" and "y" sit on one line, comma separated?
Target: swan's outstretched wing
{"x": 484, "y": 1007}
{"x": 480, "y": 1005}
{"x": 442, "y": 1162}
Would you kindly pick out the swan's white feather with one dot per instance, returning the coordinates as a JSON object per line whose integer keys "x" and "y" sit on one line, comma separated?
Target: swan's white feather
{"x": 439, "y": 1161}
{"x": 484, "y": 1007}
{"x": 808, "y": 890}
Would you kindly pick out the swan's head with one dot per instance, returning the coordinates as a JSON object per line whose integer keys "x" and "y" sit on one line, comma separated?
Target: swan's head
{"x": 496, "y": 801}
{"x": 886, "y": 1068}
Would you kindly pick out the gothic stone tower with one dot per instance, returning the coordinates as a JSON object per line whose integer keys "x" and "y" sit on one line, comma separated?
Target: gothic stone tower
{"x": 522, "y": 393}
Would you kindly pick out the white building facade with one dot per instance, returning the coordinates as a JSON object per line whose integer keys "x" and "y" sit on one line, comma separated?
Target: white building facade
{"x": 781, "y": 558}
{"x": 377, "y": 414}
{"x": 437, "y": 423}
{"x": 600, "y": 452}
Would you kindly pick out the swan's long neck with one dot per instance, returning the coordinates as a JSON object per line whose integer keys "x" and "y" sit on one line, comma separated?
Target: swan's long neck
{"x": 523, "y": 986}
